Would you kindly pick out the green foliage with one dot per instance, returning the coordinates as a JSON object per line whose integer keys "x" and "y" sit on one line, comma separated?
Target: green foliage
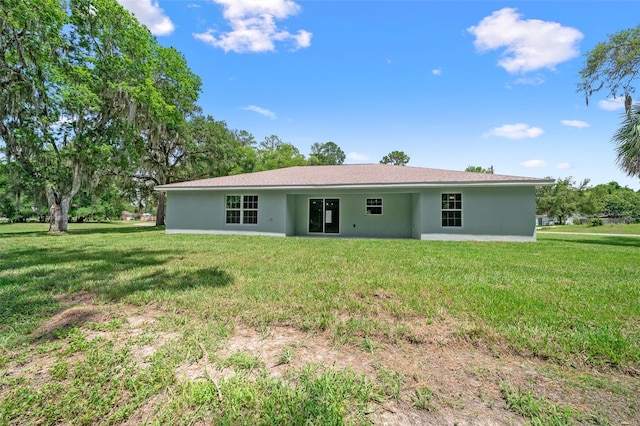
{"x": 615, "y": 201}
{"x": 559, "y": 200}
{"x": 273, "y": 153}
{"x": 566, "y": 198}
{"x": 103, "y": 202}
{"x": 85, "y": 84}
{"x": 213, "y": 150}
{"x": 596, "y": 221}
{"x": 327, "y": 153}
{"x": 396, "y": 158}
{"x": 165, "y": 150}
{"x": 613, "y": 65}
{"x": 627, "y": 139}
{"x": 19, "y": 202}
{"x": 479, "y": 169}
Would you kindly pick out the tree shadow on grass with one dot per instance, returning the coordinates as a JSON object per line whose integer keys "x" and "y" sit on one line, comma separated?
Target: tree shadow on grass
{"x": 115, "y": 229}
{"x": 80, "y": 229}
{"x": 31, "y": 279}
{"x": 601, "y": 240}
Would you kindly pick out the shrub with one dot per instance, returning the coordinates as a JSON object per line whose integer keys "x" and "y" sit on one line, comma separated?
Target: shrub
{"x": 596, "y": 221}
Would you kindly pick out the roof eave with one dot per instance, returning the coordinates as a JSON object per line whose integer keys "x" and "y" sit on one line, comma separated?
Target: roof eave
{"x": 359, "y": 186}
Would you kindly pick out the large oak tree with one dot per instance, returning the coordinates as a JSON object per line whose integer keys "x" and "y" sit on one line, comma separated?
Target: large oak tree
{"x": 82, "y": 83}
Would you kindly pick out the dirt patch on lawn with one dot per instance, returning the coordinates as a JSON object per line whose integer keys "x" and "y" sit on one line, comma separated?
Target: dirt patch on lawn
{"x": 77, "y": 309}
{"x": 458, "y": 397}
{"x": 466, "y": 381}
{"x": 82, "y": 311}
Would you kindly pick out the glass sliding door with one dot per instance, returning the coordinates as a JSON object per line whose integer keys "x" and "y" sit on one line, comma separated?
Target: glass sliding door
{"x": 331, "y": 216}
{"x": 316, "y": 210}
{"x": 324, "y": 215}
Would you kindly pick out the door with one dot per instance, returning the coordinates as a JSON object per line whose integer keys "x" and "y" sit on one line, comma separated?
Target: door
{"x": 324, "y": 215}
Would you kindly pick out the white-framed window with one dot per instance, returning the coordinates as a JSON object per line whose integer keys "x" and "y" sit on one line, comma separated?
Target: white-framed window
{"x": 452, "y": 209}
{"x": 373, "y": 206}
{"x": 242, "y": 209}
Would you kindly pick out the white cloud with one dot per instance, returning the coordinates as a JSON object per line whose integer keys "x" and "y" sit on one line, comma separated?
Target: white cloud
{"x": 261, "y": 111}
{"x": 436, "y": 71}
{"x": 575, "y": 123}
{"x": 529, "y": 44}
{"x": 534, "y": 163}
{"x": 515, "y": 131}
{"x": 612, "y": 104}
{"x": 253, "y": 26}
{"x": 563, "y": 166}
{"x": 149, "y": 13}
{"x": 356, "y": 157}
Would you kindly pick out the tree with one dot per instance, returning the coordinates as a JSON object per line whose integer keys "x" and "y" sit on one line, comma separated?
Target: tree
{"x": 105, "y": 202}
{"x": 273, "y": 153}
{"x": 76, "y": 74}
{"x": 215, "y": 150}
{"x": 245, "y": 138}
{"x": 616, "y": 201}
{"x": 396, "y": 158}
{"x": 20, "y": 198}
{"x": 82, "y": 80}
{"x": 327, "y": 153}
{"x": 627, "y": 141}
{"x": 29, "y": 84}
{"x": 560, "y": 200}
{"x": 479, "y": 169}
{"x": 613, "y": 64}
{"x": 7, "y": 204}
{"x": 164, "y": 146}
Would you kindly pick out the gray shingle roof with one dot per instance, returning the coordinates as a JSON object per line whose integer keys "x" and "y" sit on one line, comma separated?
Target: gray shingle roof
{"x": 353, "y": 175}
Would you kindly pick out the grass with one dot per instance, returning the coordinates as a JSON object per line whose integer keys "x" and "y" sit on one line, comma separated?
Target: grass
{"x": 422, "y": 399}
{"x": 567, "y": 299}
{"x": 608, "y": 228}
{"x": 539, "y": 411}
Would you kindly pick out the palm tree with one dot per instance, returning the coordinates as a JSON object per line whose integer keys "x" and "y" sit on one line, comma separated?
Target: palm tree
{"x": 627, "y": 140}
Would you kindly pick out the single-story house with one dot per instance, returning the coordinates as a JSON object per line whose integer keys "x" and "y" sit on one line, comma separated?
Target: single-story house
{"x": 358, "y": 200}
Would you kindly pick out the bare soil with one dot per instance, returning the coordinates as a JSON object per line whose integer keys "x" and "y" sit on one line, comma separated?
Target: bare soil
{"x": 465, "y": 378}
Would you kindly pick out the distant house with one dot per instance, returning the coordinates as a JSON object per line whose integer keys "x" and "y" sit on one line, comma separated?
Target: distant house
{"x": 364, "y": 200}
{"x": 125, "y": 215}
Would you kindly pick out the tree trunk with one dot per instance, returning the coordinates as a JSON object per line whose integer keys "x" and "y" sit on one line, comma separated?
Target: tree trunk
{"x": 59, "y": 204}
{"x": 59, "y": 214}
{"x": 161, "y": 209}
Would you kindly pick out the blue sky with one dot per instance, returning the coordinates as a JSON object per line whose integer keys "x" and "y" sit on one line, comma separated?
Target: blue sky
{"x": 451, "y": 83}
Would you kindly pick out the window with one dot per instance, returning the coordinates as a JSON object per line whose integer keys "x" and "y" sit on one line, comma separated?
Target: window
{"x": 451, "y": 209}
{"x": 374, "y": 206}
{"x": 242, "y": 209}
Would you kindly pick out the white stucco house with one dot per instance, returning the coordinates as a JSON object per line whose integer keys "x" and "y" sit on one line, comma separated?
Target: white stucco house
{"x": 358, "y": 200}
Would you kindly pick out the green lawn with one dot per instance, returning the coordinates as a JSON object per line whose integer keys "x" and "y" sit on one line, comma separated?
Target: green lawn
{"x": 566, "y": 300}
{"x": 609, "y": 228}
